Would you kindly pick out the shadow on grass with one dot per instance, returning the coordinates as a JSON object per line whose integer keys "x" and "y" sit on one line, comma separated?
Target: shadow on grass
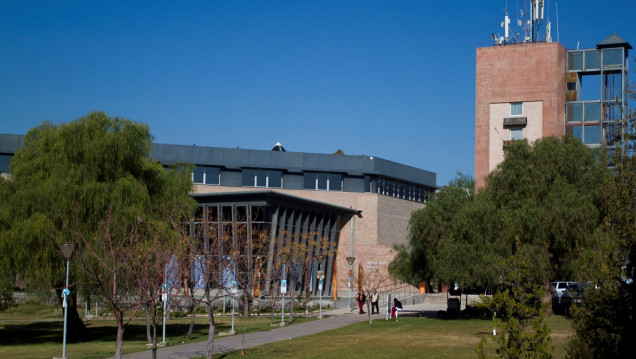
{"x": 96, "y": 331}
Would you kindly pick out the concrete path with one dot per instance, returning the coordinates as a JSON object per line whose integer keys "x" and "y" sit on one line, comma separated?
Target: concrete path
{"x": 332, "y": 319}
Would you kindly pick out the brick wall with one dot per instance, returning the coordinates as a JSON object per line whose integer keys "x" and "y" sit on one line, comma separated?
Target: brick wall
{"x": 512, "y": 73}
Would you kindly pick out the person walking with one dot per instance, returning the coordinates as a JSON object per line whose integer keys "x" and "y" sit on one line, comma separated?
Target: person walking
{"x": 375, "y": 297}
{"x": 361, "y": 298}
{"x": 397, "y": 306}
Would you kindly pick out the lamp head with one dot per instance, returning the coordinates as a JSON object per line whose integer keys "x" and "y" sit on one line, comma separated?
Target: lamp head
{"x": 350, "y": 260}
{"x": 67, "y": 250}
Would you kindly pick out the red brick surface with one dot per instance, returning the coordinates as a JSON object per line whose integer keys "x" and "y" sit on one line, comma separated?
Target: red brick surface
{"x": 519, "y": 72}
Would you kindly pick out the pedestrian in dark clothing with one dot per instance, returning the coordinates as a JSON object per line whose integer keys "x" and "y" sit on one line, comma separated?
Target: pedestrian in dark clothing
{"x": 361, "y": 298}
{"x": 397, "y": 306}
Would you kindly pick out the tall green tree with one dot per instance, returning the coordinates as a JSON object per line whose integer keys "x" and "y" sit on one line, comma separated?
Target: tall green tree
{"x": 605, "y": 322}
{"x": 546, "y": 196}
{"x": 91, "y": 182}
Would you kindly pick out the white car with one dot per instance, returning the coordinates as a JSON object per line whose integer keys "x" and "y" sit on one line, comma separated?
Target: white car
{"x": 560, "y": 287}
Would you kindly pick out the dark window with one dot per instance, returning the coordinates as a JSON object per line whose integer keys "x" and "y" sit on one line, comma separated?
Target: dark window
{"x": 335, "y": 182}
{"x": 258, "y": 213}
{"x": 275, "y": 179}
{"x": 198, "y": 175}
{"x": 322, "y": 181}
{"x": 4, "y": 163}
{"x": 212, "y": 175}
{"x": 262, "y": 178}
{"x": 206, "y": 175}
{"x": 310, "y": 180}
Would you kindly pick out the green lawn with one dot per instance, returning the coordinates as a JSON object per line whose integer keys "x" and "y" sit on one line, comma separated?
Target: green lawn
{"x": 36, "y": 331}
{"x": 407, "y": 338}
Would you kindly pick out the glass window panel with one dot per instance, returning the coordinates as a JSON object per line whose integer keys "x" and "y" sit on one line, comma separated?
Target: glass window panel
{"x": 612, "y": 57}
{"x": 310, "y": 180}
{"x": 213, "y": 214}
{"x": 212, "y": 175}
{"x": 248, "y": 177}
{"x": 592, "y": 59}
{"x": 241, "y": 214}
{"x": 516, "y": 134}
{"x": 612, "y": 111}
{"x": 592, "y": 135}
{"x": 198, "y": 174}
{"x": 275, "y": 179}
{"x": 322, "y": 180}
{"x": 516, "y": 108}
{"x": 593, "y": 112}
{"x": 613, "y": 87}
{"x": 4, "y": 163}
{"x": 335, "y": 182}
{"x": 575, "y": 112}
{"x": 226, "y": 213}
{"x": 575, "y": 131}
{"x": 575, "y": 60}
{"x": 261, "y": 178}
{"x": 258, "y": 213}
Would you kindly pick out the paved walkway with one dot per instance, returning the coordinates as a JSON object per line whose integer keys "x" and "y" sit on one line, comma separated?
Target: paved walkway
{"x": 332, "y": 319}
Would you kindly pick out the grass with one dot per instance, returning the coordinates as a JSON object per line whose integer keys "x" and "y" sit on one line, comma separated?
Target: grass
{"x": 407, "y": 338}
{"x": 32, "y": 331}
{"x": 35, "y": 331}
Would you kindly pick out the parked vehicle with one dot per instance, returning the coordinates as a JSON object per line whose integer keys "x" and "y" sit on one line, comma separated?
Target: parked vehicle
{"x": 560, "y": 287}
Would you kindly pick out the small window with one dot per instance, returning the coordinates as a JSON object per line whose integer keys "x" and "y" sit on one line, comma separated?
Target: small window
{"x": 516, "y": 134}
{"x": 613, "y": 57}
{"x": 323, "y": 181}
{"x": 575, "y": 61}
{"x": 206, "y": 175}
{"x": 261, "y": 178}
{"x": 516, "y": 108}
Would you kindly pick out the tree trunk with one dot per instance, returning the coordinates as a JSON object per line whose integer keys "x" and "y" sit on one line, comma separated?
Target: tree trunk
{"x": 291, "y": 302}
{"x": 210, "y": 346}
{"x": 194, "y": 314}
{"x": 119, "y": 346}
{"x": 369, "y": 309}
{"x": 148, "y": 334}
{"x": 154, "y": 338}
{"x": 75, "y": 324}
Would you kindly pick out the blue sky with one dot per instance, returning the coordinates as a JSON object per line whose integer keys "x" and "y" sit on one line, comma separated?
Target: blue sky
{"x": 392, "y": 79}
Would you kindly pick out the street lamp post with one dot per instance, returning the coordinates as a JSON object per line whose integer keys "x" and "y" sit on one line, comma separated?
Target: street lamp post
{"x": 283, "y": 286}
{"x": 67, "y": 252}
{"x": 321, "y": 275}
{"x": 350, "y": 260}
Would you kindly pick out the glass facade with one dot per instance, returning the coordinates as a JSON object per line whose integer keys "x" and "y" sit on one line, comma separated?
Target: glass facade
{"x": 262, "y": 178}
{"x": 206, "y": 175}
{"x": 323, "y": 181}
{"x": 398, "y": 189}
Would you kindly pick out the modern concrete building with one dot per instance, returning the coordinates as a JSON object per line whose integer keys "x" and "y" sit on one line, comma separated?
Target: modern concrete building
{"x": 361, "y": 204}
{"x": 530, "y": 90}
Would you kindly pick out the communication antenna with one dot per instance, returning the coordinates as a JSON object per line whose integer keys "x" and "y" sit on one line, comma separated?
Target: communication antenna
{"x": 530, "y": 19}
